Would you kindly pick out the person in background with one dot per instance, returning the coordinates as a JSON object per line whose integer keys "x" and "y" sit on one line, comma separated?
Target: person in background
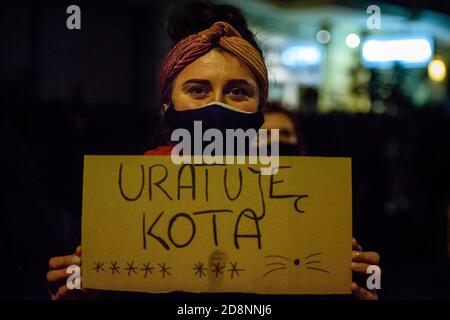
{"x": 291, "y": 141}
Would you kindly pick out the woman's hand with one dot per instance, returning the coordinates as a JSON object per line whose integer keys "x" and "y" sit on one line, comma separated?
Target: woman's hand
{"x": 360, "y": 262}
{"x": 57, "y": 278}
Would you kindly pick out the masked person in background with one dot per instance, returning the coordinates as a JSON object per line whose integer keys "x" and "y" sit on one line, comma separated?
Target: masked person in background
{"x": 290, "y": 141}
{"x": 214, "y": 73}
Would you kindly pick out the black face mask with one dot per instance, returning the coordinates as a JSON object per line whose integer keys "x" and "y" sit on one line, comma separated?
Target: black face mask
{"x": 286, "y": 149}
{"x": 214, "y": 115}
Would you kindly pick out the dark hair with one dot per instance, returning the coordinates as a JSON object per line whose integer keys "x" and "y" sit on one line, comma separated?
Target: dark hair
{"x": 200, "y": 15}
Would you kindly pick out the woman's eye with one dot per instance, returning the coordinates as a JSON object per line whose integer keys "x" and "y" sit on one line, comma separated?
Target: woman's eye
{"x": 198, "y": 92}
{"x": 238, "y": 92}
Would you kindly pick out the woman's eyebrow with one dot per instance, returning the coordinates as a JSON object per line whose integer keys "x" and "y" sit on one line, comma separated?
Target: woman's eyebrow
{"x": 234, "y": 82}
{"x": 197, "y": 81}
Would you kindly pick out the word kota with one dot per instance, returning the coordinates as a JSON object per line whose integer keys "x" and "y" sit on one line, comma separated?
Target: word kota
{"x": 247, "y": 214}
{"x": 213, "y": 152}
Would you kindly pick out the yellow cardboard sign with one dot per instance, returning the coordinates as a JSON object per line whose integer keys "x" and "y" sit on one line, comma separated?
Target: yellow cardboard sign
{"x": 150, "y": 225}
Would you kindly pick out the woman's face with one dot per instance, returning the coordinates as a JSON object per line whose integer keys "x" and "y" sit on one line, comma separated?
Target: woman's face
{"x": 216, "y": 76}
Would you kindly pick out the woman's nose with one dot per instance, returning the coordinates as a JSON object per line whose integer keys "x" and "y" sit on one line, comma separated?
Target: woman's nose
{"x": 219, "y": 96}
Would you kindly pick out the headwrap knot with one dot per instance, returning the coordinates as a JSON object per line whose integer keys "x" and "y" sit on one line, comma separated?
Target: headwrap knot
{"x": 218, "y": 30}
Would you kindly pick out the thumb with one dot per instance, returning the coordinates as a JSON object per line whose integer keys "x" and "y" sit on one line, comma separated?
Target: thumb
{"x": 78, "y": 251}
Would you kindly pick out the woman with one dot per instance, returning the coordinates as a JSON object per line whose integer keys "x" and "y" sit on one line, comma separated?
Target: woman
{"x": 214, "y": 73}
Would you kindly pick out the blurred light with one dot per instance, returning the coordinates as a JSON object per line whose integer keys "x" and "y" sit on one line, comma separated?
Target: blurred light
{"x": 437, "y": 70}
{"x": 297, "y": 56}
{"x": 323, "y": 36}
{"x": 412, "y": 52}
{"x": 352, "y": 40}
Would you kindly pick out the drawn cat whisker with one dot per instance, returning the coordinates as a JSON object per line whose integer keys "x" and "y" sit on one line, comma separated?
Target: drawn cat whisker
{"x": 318, "y": 269}
{"x": 276, "y": 263}
{"x": 277, "y": 256}
{"x": 270, "y": 271}
{"x": 312, "y": 255}
{"x": 315, "y": 261}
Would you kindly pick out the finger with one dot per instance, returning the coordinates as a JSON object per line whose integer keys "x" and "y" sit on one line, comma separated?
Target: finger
{"x": 360, "y": 267}
{"x": 56, "y": 278}
{"x": 63, "y": 262}
{"x": 367, "y": 257}
{"x": 363, "y": 294}
{"x": 62, "y": 292}
{"x": 78, "y": 253}
{"x": 54, "y": 286}
{"x": 355, "y": 245}
{"x": 57, "y": 275}
{"x": 76, "y": 294}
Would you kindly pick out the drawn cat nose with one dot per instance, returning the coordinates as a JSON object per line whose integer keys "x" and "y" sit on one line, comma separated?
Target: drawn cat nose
{"x": 296, "y": 262}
